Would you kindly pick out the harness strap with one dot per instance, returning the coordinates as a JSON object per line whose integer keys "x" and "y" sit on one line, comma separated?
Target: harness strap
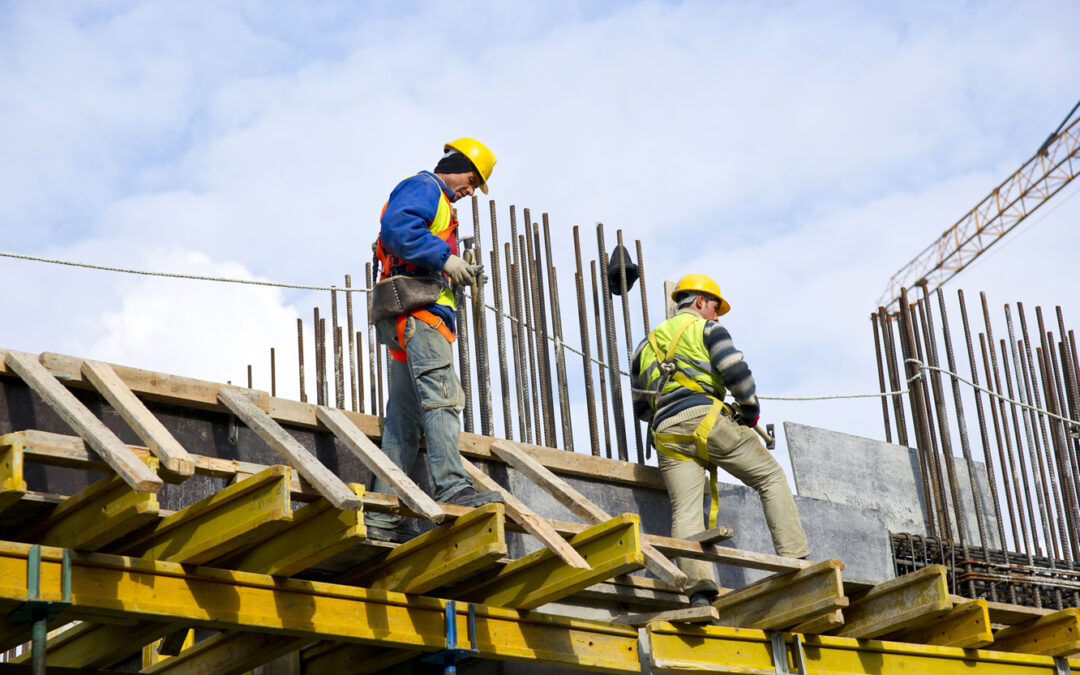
{"x": 700, "y": 439}
{"x": 668, "y": 367}
{"x": 427, "y": 317}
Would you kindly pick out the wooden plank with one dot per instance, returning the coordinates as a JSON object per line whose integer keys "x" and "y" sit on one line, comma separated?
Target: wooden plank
{"x": 784, "y": 600}
{"x": 966, "y": 626}
{"x": 712, "y": 535}
{"x": 581, "y": 505}
{"x": 90, "y": 428}
{"x": 376, "y": 460}
{"x": 12, "y": 483}
{"x": 528, "y": 519}
{"x": 822, "y": 624}
{"x": 175, "y": 460}
{"x": 229, "y": 653}
{"x": 1056, "y": 634}
{"x": 449, "y": 553}
{"x": 306, "y": 464}
{"x": 337, "y": 658}
{"x": 89, "y": 645}
{"x": 1009, "y": 614}
{"x": 900, "y": 603}
{"x": 685, "y": 615}
{"x": 612, "y": 547}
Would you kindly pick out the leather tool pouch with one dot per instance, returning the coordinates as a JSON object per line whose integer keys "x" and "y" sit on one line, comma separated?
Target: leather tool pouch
{"x": 400, "y": 294}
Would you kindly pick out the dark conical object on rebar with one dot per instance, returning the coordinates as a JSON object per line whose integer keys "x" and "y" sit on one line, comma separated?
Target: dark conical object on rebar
{"x": 618, "y": 256}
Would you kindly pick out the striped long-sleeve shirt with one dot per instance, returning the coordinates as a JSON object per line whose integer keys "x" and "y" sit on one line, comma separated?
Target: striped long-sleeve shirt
{"x": 726, "y": 361}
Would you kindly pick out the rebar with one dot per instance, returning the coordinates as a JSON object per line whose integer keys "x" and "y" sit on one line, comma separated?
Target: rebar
{"x": 360, "y": 371}
{"x": 464, "y": 360}
{"x": 612, "y": 347}
{"x": 273, "y": 373}
{"x": 915, "y": 393}
{"x": 644, "y": 319}
{"x": 322, "y": 344}
{"x": 520, "y": 380}
{"x": 1067, "y": 509}
{"x": 250, "y": 385}
{"x": 300, "y": 356}
{"x": 352, "y": 344}
{"x": 320, "y": 372}
{"x": 932, "y": 459}
{"x": 539, "y": 324}
{"x": 339, "y": 371}
{"x": 583, "y": 334}
{"x": 527, "y": 328}
{"x": 624, "y": 294}
{"x": 894, "y": 376}
{"x": 480, "y": 341}
{"x": 600, "y": 358}
{"x": 527, "y": 385}
{"x": 560, "y": 351}
{"x": 881, "y": 377}
{"x": 1036, "y": 547}
{"x": 500, "y": 336}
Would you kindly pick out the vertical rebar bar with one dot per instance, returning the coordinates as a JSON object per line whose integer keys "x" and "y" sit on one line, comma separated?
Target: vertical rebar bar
{"x": 322, "y": 344}
{"x": 915, "y": 393}
{"x": 1032, "y": 521}
{"x": 480, "y": 334}
{"x": 881, "y": 377}
{"x": 500, "y": 335}
{"x": 273, "y": 373}
{"x": 300, "y": 356}
{"x": 352, "y": 344}
{"x": 644, "y": 321}
{"x": 586, "y": 348}
{"x": 249, "y": 384}
{"x": 560, "y": 352}
{"x": 339, "y": 374}
{"x": 374, "y": 353}
{"x": 517, "y": 341}
{"x": 1069, "y": 408}
{"x": 894, "y": 376}
{"x": 360, "y": 371}
{"x": 937, "y": 473}
{"x": 600, "y": 357}
{"x": 612, "y": 348}
{"x": 624, "y": 294}
{"x": 539, "y": 307}
{"x": 1067, "y": 509}
{"x": 319, "y": 365}
{"x": 464, "y": 360}
{"x": 530, "y": 340}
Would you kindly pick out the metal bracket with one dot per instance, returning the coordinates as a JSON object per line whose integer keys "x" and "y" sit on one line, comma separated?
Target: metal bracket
{"x": 453, "y": 654}
{"x": 1061, "y": 666}
{"x": 779, "y": 654}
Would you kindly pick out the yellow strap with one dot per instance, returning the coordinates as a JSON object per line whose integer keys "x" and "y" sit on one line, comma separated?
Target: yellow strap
{"x": 669, "y": 354}
{"x": 700, "y": 438}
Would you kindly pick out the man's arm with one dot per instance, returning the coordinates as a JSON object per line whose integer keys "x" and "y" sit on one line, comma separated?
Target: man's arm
{"x": 404, "y": 226}
{"x": 728, "y": 362}
{"x": 640, "y": 399}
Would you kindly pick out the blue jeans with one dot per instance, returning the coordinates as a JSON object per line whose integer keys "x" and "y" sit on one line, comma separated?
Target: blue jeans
{"x": 425, "y": 395}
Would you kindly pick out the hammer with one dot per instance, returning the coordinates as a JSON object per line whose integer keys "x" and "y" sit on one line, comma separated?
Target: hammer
{"x": 766, "y": 433}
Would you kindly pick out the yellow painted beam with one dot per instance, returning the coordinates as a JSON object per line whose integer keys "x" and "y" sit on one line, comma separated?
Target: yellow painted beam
{"x": 229, "y": 653}
{"x": 97, "y": 515}
{"x": 89, "y": 645}
{"x": 108, "y": 586}
{"x": 227, "y": 521}
{"x": 612, "y": 547}
{"x": 905, "y": 602}
{"x": 1056, "y": 634}
{"x": 720, "y": 649}
{"x": 12, "y": 484}
{"x": 315, "y": 533}
{"x": 967, "y": 625}
{"x": 785, "y": 600}
{"x": 451, "y": 552}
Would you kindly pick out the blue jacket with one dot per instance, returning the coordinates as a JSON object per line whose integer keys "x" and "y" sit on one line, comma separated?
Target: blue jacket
{"x": 404, "y": 228}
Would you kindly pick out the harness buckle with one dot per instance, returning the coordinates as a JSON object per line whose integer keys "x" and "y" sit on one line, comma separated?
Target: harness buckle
{"x": 668, "y": 367}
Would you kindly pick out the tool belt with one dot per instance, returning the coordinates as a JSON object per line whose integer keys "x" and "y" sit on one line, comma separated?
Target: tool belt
{"x": 700, "y": 437}
{"x": 401, "y": 294}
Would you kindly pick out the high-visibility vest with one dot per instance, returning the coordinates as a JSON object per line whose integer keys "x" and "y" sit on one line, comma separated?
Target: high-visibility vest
{"x": 676, "y": 357}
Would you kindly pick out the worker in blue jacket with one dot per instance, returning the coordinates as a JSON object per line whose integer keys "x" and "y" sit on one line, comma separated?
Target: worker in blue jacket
{"x": 418, "y": 238}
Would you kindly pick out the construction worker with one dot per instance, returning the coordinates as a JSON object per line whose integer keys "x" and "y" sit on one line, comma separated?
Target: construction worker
{"x": 418, "y": 241}
{"x": 682, "y": 370}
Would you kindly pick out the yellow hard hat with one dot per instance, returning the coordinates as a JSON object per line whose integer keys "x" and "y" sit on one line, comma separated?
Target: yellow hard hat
{"x": 699, "y": 283}
{"x": 479, "y": 154}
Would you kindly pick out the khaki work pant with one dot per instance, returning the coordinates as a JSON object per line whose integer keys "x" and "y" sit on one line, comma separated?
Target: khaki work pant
{"x": 737, "y": 450}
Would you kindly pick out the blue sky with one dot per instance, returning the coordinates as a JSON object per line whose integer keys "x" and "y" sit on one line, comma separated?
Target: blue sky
{"x": 799, "y": 152}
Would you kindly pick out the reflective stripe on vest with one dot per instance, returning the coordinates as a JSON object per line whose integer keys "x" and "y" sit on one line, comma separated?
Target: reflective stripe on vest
{"x": 679, "y": 341}
{"x": 427, "y": 317}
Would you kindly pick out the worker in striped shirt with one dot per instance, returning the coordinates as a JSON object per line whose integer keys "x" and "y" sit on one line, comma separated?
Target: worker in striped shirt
{"x": 682, "y": 371}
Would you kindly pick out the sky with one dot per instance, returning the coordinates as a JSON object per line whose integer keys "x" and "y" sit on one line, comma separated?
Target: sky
{"x": 799, "y": 152}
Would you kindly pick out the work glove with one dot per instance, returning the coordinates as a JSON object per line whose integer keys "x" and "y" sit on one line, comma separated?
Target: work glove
{"x": 750, "y": 423}
{"x": 460, "y": 271}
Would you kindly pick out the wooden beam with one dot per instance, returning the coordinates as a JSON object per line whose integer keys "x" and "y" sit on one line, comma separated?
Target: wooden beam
{"x": 528, "y": 519}
{"x": 447, "y": 554}
{"x": 90, "y": 645}
{"x": 712, "y": 535}
{"x": 1056, "y": 634}
{"x": 12, "y": 483}
{"x": 685, "y": 615}
{"x": 306, "y": 464}
{"x": 1009, "y": 614}
{"x": 379, "y": 464}
{"x": 336, "y": 658}
{"x": 229, "y": 653}
{"x": 905, "y": 602}
{"x": 176, "y": 463}
{"x": 966, "y": 626}
{"x": 90, "y": 428}
{"x": 634, "y": 591}
{"x": 611, "y": 548}
{"x": 580, "y": 505}
{"x": 825, "y": 623}
{"x": 785, "y": 600}
{"x": 223, "y": 523}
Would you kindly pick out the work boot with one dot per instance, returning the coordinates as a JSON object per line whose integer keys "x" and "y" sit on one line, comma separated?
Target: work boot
{"x": 702, "y": 598}
{"x": 471, "y": 497}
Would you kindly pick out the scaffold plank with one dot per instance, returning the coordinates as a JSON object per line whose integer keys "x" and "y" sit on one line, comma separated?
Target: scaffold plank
{"x": 378, "y": 463}
{"x": 676, "y": 648}
{"x": 306, "y": 464}
{"x": 149, "y": 590}
{"x": 821, "y": 624}
{"x": 635, "y": 591}
{"x": 447, "y": 554}
{"x": 176, "y": 464}
{"x": 580, "y": 505}
{"x": 12, "y": 483}
{"x": 685, "y": 615}
{"x": 904, "y": 602}
{"x": 111, "y": 449}
{"x": 966, "y": 626}
{"x": 99, "y": 514}
{"x": 230, "y": 520}
{"x": 785, "y": 600}
{"x": 612, "y": 547}
{"x": 1056, "y": 634}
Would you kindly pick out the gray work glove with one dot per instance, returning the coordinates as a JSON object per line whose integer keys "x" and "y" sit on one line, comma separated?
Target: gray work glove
{"x": 460, "y": 271}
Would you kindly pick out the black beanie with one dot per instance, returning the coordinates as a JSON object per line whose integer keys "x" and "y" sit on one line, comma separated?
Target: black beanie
{"x": 454, "y": 162}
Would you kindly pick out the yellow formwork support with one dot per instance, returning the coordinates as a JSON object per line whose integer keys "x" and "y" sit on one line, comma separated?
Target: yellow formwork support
{"x": 612, "y": 547}
{"x": 1056, "y": 634}
{"x": 314, "y": 533}
{"x": 904, "y": 602}
{"x": 12, "y": 485}
{"x": 967, "y": 625}
{"x": 228, "y": 653}
{"x": 236, "y": 517}
{"x": 785, "y": 600}
{"x": 334, "y": 659}
{"x": 99, "y": 514}
{"x": 89, "y": 645}
{"x": 107, "y": 586}
{"x": 719, "y": 649}
{"x": 448, "y": 553}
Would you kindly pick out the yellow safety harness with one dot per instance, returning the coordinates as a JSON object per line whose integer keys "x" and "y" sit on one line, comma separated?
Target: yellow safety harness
{"x": 700, "y": 436}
